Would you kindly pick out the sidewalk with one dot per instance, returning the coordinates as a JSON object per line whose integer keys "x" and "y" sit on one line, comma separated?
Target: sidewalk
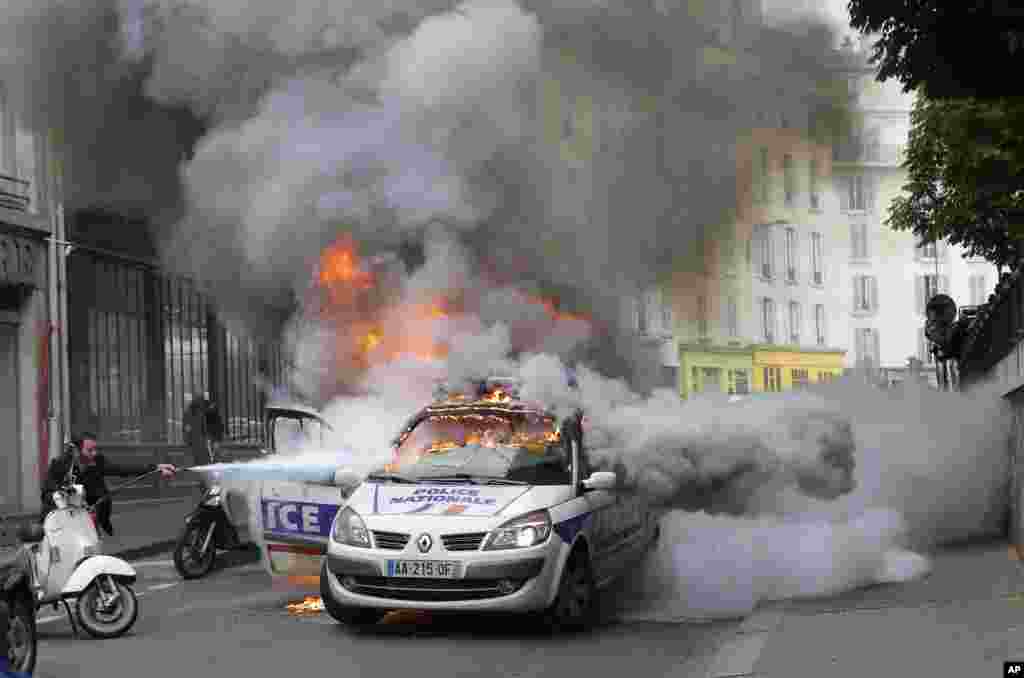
{"x": 965, "y": 619}
{"x": 142, "y": 528}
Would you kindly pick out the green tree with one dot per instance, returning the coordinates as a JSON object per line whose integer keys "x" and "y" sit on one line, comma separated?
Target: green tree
{"x": 946, "y": 48}
{"x": 965, "y": 161}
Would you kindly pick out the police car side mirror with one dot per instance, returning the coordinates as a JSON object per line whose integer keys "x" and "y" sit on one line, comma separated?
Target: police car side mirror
{"x": 347, "y": 481}
{"x": 601, "y": 480}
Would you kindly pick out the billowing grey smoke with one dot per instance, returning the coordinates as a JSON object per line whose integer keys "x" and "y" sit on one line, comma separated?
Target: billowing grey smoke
{"x": 384, "y": 117}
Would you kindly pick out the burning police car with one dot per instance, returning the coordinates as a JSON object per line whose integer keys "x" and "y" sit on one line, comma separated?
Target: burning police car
{"x": 489, "y": 504}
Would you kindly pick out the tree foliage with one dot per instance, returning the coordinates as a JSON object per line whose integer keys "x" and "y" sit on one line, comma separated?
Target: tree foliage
{"x": 946, "y": 48}
{"x": 965, "y": 161}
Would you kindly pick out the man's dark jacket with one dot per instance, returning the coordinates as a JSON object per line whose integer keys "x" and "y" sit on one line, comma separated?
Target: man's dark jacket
{"x": 93, "y": 478}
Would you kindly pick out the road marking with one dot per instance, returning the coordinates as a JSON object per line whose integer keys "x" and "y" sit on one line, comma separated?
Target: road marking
{"x": 161, "y": 587}
{"x": 153, "y": 563}
{"x": 737, "y": 656}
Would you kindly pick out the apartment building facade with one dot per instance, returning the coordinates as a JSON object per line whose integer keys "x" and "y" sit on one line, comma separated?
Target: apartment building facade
{"x": 892, "y": 275}
{"x": 29, "y": 398}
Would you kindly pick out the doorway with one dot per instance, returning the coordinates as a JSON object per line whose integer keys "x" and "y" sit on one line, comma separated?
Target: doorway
{"x": 10, "y": 434}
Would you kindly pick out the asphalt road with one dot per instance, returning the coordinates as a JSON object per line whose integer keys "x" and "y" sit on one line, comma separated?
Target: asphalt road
{"x": 234, "y": 624}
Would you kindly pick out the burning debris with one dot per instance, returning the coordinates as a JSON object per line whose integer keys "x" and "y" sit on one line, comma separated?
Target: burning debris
{"x": 309, "y": 605}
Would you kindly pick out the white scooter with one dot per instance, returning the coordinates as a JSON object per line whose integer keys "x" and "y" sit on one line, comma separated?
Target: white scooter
{"x": 67, "y": 564}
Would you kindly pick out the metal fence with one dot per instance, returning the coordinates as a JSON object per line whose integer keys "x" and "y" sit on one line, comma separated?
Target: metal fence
{"x": 995, "y": 330}
{"x": 143, "y": 343}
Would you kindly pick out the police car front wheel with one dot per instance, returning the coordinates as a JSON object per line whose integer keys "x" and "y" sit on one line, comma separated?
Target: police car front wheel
{"x": 574, "y": 607}
{"x": 350, "y": 616}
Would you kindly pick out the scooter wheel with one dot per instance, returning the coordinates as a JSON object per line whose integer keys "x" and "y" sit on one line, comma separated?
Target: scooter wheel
{"x": 189, "y": 559}
{"x": 100, "y": 621}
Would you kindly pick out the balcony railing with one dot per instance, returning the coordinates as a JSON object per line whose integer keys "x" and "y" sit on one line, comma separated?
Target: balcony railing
{"x": 14, "y": 193}
{"x": 869, "y": 153}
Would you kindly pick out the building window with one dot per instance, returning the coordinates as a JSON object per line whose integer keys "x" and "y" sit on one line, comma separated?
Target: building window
{"x": 927, "y": 287}
{"x": 640, "y": 324}
{"x": 710, "y": 380}
{"x": 800, "y": 378}
{"x": 815, "y": 190}
{"x": 765, "y": 252}
{"x": 859, "y": 240}
{"x": 773, "y": 379}
{"x": 854, "y": 193}
{"x": 924, "y": 348}
{"x": 865, "y": 294}
{"x": 928, "y": 250}
{"x": 791, "y": 255}
{"x": 739, "y": 382}
{"x": 768, "y": 320}
{"x": 794, "y": 322}
{"x": 670, "y": 377}
{"x": 819, "y": 324}
{"x": 868, "y": 348}
{"x": 818, "y": 275}
{"x": 788, "y": 176}
{"x": 978, "y": 289}
{"x": 702, "y": 317}
{"x": 668, "y": 316}
{"x": 763, "y": 177}
{"x": 825, "y": 377}
{"x": 732, "y": 318}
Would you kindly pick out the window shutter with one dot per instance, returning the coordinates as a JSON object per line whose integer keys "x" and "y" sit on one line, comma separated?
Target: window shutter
{"x": 874, "y": 293}
{"x": 854, "y": 246}
{"x": 876, "y": 349}
{"x": 920, "y": 293}
{"x": 856, "y": 293}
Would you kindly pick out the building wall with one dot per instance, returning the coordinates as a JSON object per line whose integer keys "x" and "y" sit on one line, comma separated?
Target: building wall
{"x": 873, "y": 151}
{"x": 24, "y": 290}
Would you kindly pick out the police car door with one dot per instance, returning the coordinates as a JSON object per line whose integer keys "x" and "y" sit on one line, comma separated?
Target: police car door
{"x": 295, "y": 518}
{"x": 603, "y": 507}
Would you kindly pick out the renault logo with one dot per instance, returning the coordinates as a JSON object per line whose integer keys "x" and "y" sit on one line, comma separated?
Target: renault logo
{"x": 424, "y": 543}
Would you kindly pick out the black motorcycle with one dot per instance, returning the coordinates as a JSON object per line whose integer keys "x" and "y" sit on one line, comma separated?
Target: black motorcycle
{"x": 207, "y": 530}
{"x": 18, "y": 643}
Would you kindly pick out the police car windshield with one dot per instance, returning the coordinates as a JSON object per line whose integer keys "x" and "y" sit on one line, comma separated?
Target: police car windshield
{"x": 524, "y": 447}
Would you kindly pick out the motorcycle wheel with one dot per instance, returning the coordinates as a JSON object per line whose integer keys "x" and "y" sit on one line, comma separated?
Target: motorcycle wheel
{"x": 102, "y": 621}
{"x": 21, "y": 638}
{"x": 189, "y": 559}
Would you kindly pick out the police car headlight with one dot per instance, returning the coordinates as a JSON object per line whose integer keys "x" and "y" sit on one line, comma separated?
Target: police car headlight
{"x": 529, "y": 530}
{"x": 350, "y": 530}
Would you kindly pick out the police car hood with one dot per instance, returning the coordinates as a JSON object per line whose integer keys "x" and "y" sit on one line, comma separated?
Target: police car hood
{"x": 427, "y": 498}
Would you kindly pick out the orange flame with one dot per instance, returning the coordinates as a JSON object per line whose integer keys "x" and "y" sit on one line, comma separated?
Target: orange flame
{"x": 309, "y": 605}
{"x": 497, "y": 396}
{"x": 339, "y": 264}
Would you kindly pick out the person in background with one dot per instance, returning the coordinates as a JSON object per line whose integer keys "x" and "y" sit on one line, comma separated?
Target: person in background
{"x": 84, "y": 464}
{"x": 196, "y": 436}
{"x": 214, "y": 427}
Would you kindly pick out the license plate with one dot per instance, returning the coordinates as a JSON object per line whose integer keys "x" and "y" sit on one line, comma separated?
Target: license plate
{"x": 425, "y": 569}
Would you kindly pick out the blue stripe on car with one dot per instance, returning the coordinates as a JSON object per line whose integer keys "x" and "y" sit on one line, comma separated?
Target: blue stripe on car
{"x": 568, "y": 529}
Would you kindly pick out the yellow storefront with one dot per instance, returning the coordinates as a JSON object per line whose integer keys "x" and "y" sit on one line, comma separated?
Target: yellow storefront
{"x": 777, "y": 368}
{"x": 705, "y": 368}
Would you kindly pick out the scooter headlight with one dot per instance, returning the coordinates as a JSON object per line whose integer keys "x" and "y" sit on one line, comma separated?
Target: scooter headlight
{"x": 350, "y": 530}
{"x": 522, "y": 532}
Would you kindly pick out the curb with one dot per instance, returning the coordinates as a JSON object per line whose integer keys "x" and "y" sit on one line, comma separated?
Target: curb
{"x": 146, "y": 551}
